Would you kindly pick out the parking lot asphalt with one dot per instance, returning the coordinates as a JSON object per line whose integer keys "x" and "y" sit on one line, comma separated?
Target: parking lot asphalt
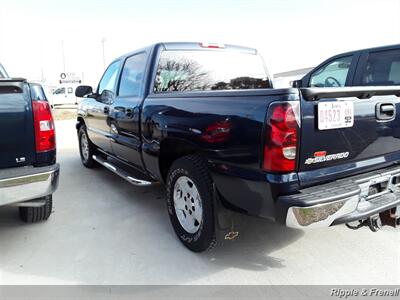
{"x": 106, "y": 231}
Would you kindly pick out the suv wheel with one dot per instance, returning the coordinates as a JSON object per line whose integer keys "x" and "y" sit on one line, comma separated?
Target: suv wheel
{"x": 37, "y": 214}
{"x": 190, "y": 201}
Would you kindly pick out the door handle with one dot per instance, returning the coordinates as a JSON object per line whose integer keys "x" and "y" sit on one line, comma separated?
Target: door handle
{"x": 106, "y": 109}
{"x": 129, "y": 112}
{"x": 385, "y": 111}
{"x": 119, "y": 109}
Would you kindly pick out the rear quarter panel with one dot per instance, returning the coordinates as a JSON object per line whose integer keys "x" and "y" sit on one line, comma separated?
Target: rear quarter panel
{"x": 234, "y": 162}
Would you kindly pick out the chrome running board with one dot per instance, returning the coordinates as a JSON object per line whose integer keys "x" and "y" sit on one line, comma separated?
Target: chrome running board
{"x": 122, "y": 173}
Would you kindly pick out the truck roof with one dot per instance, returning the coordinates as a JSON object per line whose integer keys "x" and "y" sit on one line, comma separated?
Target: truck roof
{"x": 206, "y": 46}
{"x": 194, "y": 46}
{"x": 388, "y": 47}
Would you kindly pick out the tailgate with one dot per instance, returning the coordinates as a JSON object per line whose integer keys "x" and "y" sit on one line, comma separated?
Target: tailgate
{"x": 17, "y": 144}
{"x": 347, "y": 130}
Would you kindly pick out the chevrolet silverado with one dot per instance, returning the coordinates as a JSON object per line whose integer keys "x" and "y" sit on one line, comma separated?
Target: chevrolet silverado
{"x": 205, "y": 120}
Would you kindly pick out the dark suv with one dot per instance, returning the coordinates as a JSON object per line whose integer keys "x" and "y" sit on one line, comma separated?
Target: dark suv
{"x": 368, "y": 67}
{"x": 28, "y": 169}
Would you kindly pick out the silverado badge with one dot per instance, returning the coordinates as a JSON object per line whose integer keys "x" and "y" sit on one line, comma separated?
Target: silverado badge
{"x": 321, "y": 156}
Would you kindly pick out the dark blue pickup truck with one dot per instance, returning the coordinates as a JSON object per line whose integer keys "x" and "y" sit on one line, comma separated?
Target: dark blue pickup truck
{"x": 28, "y": 168}
{"x": 205, "y": 120}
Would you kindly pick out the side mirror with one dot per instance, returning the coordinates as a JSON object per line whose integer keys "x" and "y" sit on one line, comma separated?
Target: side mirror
{"x": 106, "y": 96}
{"x": 83, "y": 90}
{"x": 296, "y": 83}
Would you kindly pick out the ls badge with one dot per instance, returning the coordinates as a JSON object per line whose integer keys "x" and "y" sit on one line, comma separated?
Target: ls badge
{"x": 20, "y": 160}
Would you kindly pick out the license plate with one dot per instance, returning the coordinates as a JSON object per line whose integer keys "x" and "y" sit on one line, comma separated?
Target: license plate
{"x": 339, "y": 114}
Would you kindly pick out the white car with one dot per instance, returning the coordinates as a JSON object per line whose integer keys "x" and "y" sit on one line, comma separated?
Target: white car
{"x": 64, "y": 95}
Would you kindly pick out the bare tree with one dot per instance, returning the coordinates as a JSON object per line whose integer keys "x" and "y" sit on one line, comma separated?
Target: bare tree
{"x": 185, "y": 75}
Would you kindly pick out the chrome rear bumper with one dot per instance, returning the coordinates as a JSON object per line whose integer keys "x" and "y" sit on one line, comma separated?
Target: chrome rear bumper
{"x": 27, "y": 183}
{"x": 343, "y": 201}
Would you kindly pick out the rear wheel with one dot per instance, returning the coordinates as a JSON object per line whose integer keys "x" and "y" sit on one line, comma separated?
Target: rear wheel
{"x": 37, "y": 214}
{"x": 190, "y": 201}
{"x": 86, "y": 148}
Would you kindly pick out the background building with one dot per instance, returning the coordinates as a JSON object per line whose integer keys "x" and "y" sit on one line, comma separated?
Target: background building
{"x": 284, "y": 79}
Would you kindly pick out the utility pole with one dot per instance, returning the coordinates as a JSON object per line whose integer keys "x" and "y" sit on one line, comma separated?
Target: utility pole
{"x": 103, "y": 40}
{"x": 41, "y": 61}
{"x": 63, "y": 55}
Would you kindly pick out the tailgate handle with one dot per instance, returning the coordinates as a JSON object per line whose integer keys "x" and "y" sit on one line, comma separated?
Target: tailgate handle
{"x": 385, "y": 111}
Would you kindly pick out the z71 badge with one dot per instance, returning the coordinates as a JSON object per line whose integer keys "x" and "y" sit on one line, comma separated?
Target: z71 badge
{"x": 321, "y": 156}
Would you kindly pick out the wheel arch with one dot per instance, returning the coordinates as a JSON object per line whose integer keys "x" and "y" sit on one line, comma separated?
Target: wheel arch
{"x": 172, "y": 149}
{"x": 79, "y": 122}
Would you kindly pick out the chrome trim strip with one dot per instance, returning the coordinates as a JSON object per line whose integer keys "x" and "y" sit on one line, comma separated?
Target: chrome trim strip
{"x": 38, "y": 203}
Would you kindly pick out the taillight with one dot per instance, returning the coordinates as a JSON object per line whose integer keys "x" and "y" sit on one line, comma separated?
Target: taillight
{"x": 217, "y": 132}
{"x": 45, "y": 137}
{"x": 283, "y": 124}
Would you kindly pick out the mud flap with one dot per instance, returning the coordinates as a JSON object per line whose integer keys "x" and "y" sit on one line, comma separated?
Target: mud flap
{"x": 225, "y": 221}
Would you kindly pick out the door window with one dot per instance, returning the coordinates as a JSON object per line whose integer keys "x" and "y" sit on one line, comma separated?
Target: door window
{"x": 333, "y": 74}
{"x": 382, "y": 68}
{"x": 107, "y": 82}
{"x": 132, "y": 75}
{"x": 59, "y": 91}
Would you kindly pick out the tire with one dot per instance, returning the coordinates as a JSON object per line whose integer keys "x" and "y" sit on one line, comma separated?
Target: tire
{"x": 86, "y": 148}
{"x": 37, "y": 214}
{"x": 186, "y": 176}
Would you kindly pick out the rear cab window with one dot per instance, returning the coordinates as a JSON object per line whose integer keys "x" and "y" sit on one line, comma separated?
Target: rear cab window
{"x": 37, "y": 92}
{"x": 208, "y": 70}
{"x": 382, "y": 68}
{"x": 332, "y": 74}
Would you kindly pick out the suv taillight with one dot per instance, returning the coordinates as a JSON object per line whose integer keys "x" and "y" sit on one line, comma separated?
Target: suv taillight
{"x": 282, "y": 131}
{"x": 45, "y": 136}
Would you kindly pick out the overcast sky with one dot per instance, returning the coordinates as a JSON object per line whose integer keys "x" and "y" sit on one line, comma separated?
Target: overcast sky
{"x": 289, "y": 34}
